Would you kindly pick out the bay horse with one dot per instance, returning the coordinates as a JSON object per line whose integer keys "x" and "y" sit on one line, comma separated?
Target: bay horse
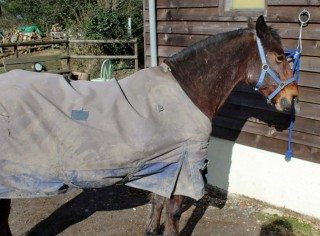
{"x": 207, "y": 72}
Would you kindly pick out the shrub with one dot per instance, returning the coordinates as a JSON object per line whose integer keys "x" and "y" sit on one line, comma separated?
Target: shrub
{"x": 113, "y": 24}
{"x": 106, "y": 24}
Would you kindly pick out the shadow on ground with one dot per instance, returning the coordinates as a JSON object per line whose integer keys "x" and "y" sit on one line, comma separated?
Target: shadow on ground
{"x": 215, "y": 197}
{"x": 87, "y": 203}
{"x": 113, "y": 199}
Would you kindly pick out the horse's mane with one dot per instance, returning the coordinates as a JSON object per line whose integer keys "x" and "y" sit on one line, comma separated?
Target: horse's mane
{"x": 215, "y": 41}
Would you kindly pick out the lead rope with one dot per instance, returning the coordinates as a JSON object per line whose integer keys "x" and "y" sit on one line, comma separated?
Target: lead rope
{"x": 295, "y": 55}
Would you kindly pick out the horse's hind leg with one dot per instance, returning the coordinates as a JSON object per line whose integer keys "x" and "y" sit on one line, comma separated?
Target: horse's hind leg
{"x": 153, "y": 223}
{"x": 173, "y": 213}
{"x": 4, "y": 217}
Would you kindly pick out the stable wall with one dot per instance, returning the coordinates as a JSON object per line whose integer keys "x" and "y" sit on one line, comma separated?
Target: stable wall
{"x": 246, "y": 118}
{"x": 265, "y": 176}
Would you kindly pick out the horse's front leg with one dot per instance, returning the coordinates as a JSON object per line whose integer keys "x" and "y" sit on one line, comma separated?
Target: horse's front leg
{"x": 153, "y": 223}
{"x": 4, "y": 217}
{"x": 173, "y": 213}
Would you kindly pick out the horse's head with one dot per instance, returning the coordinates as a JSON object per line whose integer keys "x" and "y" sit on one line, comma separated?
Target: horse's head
{"x": 275, "y": 79}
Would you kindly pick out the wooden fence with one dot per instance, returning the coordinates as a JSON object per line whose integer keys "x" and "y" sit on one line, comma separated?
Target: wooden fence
{"x": 68, "y": 43}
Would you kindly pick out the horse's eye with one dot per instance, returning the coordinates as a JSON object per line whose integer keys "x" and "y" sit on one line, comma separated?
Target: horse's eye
{"x": 279, "y": 58}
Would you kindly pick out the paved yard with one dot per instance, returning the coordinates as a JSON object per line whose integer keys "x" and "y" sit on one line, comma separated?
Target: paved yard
{"x": 123, "y": 211}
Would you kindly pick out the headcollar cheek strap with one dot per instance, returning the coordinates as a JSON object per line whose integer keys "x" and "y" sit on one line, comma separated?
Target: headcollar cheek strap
{"x": 261, "y": 52}
{"x": 265, "y": 66}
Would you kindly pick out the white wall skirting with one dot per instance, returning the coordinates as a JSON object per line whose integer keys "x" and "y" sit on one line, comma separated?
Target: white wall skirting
{"x": 265, "y": 176}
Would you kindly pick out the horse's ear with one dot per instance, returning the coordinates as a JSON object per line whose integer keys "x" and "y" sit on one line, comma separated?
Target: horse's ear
{"x": 250, "y": 23}
{"x": 261, "y": 27}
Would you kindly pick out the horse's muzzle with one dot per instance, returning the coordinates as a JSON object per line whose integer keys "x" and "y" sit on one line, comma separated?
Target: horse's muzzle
{"x": 288, "y": 105}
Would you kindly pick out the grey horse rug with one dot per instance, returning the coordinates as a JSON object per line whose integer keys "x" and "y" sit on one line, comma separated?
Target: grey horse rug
{"x": 57, "y": 135}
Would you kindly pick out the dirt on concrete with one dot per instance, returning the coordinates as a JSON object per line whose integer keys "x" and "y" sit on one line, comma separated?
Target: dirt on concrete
{"x": 121, "y": 210}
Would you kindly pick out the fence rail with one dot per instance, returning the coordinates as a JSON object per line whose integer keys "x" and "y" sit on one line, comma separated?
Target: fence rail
{"x": 103, "y": 41}
{"x": 102, "y": 57}
{"x": 34, "y": 43}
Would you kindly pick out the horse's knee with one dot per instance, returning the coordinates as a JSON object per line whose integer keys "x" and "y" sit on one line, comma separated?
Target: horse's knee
{"x": 175, "y": 214}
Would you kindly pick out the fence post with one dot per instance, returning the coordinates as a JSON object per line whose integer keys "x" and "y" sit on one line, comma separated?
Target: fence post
{"x": 16, "y": 53}
{"x": 68, "y": 55}
{"x": 136, "y": 62}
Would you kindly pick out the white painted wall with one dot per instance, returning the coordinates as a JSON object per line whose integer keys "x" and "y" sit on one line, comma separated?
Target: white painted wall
{"x": 265, "y": 176}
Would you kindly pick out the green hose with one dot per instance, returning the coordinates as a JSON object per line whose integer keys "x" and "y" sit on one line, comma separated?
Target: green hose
{"x": 106, "y": 71}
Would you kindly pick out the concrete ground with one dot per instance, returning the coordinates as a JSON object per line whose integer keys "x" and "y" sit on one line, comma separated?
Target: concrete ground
{"x": 123, "y": 211}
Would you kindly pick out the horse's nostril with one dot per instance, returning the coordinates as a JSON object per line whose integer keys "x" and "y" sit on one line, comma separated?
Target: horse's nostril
{"x": 284, "y": 102}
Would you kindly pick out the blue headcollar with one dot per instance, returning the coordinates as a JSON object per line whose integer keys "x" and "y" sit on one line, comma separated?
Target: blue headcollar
{"x": 267, "y": 70}
{"x": 294, "y": 56}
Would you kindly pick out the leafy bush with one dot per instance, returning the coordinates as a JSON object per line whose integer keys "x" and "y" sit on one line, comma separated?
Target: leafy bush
{"x": 112, "y": 24}
{"x": 96, "y": 20}
{"x": 45, "y": 13}
{"x": 106, "y": 24}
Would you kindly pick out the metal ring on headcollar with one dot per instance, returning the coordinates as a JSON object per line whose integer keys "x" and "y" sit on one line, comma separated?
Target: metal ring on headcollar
{"x": 304, "y": 12}
{"x": 265, "y": 67}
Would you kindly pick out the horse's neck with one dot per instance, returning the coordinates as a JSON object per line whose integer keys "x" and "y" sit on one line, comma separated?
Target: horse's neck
{"x": 209, "y": 74}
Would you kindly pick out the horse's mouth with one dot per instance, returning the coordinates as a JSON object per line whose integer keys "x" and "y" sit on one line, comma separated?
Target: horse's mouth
{"x": 296, "y": 105}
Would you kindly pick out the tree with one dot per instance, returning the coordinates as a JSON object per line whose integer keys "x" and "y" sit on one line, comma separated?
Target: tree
{"x": 108, "y": 4}
{"x": 48, "y": 12}
{"x": 100, "y": 18}
{"x": 108, "y": 23}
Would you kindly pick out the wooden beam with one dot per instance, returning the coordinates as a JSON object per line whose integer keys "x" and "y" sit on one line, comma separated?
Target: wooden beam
{"x": 103, "y": 57}
{"x": 301, "y": 151}
{"x": 277, "y": 120}
{"x": 294, "y": 2}
{"x": 308, "y": 110}
{"x": 109, "y": 41}
{"x": 275, "y": 14}
{"x": 310, "y": 47}
{"x": 286, "y": 30}
{"x": 264, "y": 130}
{"x": 33, "y": 43}
{"x": 184, "y": 3}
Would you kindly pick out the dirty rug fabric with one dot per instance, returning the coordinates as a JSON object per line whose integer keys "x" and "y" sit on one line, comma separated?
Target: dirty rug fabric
{"x": 57, "y": 135}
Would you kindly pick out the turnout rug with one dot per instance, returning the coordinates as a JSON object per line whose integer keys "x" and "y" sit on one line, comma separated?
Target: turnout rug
{"x": 57, "y": 135}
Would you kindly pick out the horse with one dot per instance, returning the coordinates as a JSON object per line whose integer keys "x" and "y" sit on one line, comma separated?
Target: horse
{"x": 207, "y": 72}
